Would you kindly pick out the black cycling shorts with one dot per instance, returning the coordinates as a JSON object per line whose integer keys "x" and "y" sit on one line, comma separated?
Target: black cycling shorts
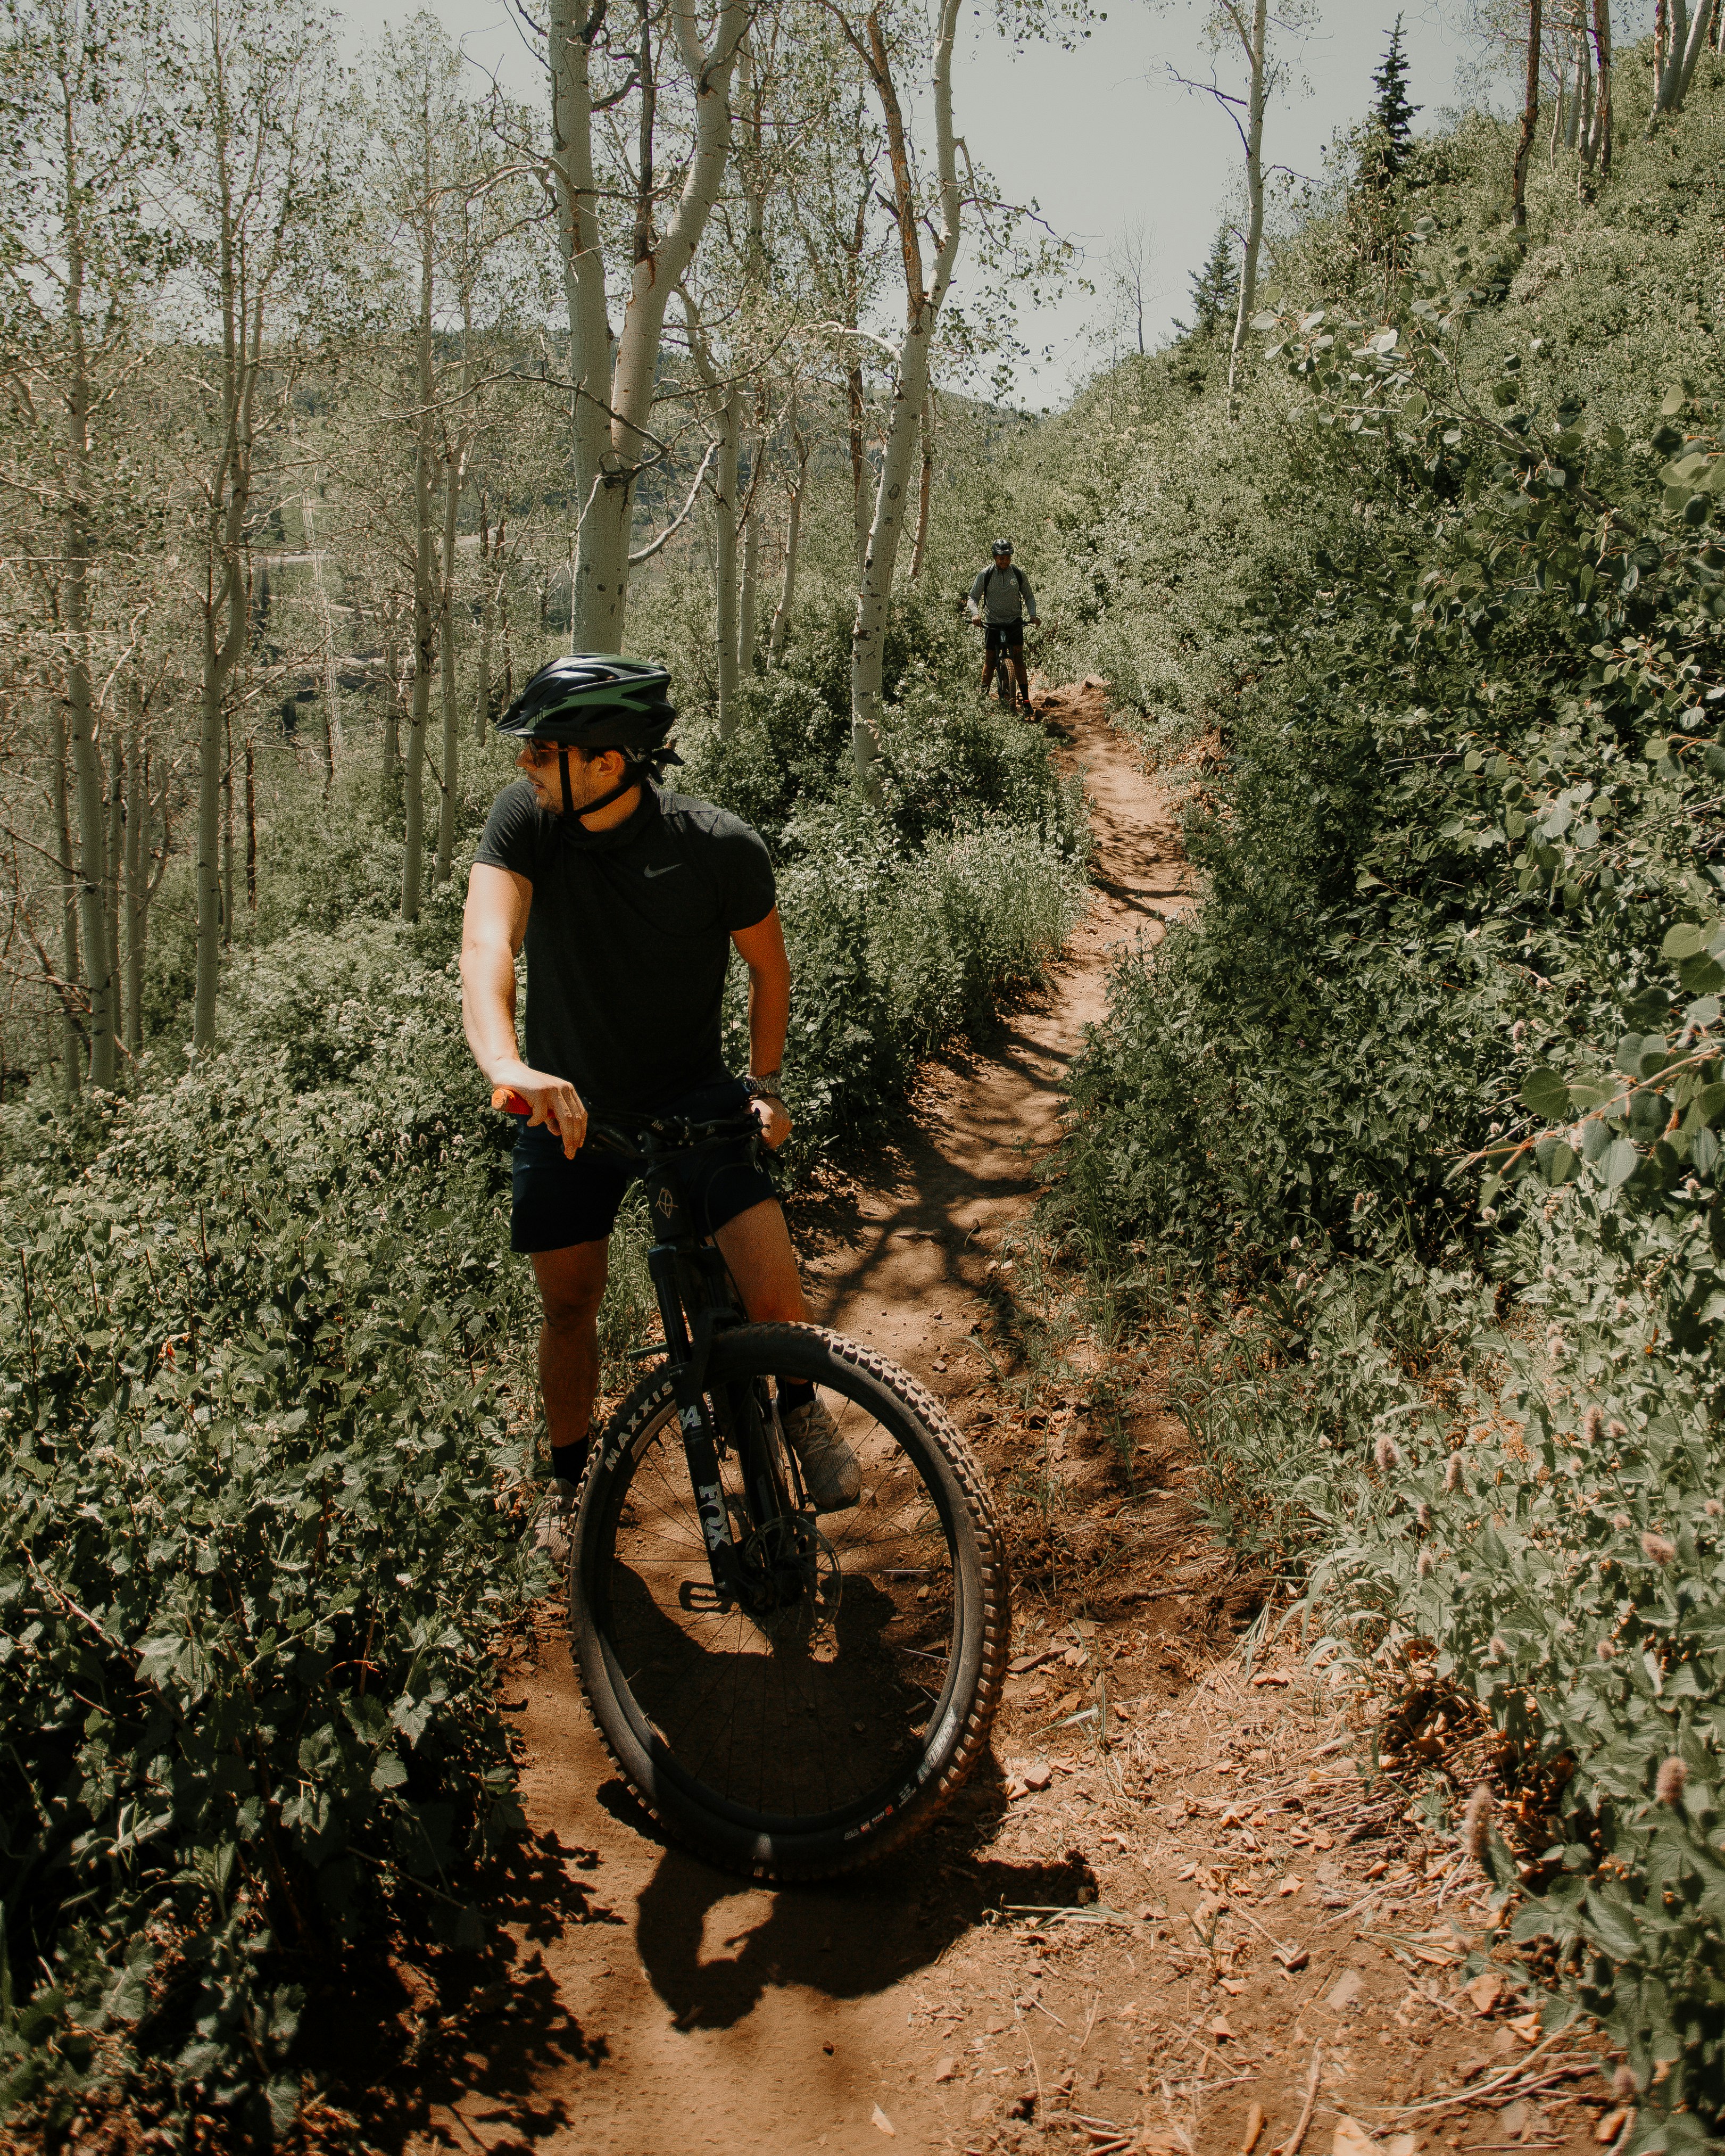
{"x": 560, "y": 1202}
{"x": 1004, "y": 636}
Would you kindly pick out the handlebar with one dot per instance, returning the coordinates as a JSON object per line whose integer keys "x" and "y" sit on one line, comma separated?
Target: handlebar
{"x": 672, "y": 1133}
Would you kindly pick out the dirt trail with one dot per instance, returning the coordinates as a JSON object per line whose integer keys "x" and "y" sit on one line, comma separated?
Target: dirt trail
{"x": 644, "y": 2005}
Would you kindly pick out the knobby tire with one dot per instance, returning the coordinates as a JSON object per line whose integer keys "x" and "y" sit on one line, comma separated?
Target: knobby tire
{"x": 793, "y": 1751}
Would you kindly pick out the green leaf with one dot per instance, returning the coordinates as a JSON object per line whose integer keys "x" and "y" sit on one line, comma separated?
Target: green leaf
{"x": 1621, "y": 1162}
{"x": 1687, "y": 939}
{"x": 1545, "y": 1094}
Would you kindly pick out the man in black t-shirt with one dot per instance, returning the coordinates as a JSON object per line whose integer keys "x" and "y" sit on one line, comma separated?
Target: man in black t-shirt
{"x": 628, "y": 899}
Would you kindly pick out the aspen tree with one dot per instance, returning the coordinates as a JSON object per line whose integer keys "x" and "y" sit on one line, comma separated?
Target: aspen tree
{"x": 614, "y": 372}
{"x": 257, "y": 192}
{"x": 926, "y": 283}
{"x": 80, "y": 266}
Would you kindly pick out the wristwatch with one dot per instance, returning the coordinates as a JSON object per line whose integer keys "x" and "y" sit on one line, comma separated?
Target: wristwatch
{"x": 764, "y": 1089}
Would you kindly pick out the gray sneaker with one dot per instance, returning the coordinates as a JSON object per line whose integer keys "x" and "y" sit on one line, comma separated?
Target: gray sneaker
{"x": 557, "y": 1517}
{"x": 829, "y": 1467}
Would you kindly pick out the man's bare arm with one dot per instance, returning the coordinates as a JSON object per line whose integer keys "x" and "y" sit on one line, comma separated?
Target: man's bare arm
{"x": 492, "y": 925}
{"x": 761, "y": 949}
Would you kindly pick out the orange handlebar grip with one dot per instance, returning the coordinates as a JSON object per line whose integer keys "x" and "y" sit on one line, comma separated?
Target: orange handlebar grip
{"x": 511, "y": 1103}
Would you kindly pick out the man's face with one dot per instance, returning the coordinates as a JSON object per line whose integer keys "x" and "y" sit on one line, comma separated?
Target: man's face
{"x": 1003, "y": 561}
{"x": 588, "y": 780}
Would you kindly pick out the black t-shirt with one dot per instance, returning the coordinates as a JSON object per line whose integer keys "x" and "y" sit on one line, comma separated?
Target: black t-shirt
{"x": 628, "y": 939}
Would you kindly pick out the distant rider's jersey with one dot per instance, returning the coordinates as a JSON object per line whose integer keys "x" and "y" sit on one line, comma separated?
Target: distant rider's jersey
{"x": 997, "y": 592}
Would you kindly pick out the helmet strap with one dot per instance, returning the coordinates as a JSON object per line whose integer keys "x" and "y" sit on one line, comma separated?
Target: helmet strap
{"x": 633, "y": 776}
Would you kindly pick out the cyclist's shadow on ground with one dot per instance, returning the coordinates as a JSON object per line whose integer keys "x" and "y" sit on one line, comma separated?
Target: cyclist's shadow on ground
{"x": 846, "y": 1939}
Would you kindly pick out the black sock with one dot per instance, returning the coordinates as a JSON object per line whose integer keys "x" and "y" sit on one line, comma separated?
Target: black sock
{"x": 791, "y": 1397}
{"x": 567, "y": 1460}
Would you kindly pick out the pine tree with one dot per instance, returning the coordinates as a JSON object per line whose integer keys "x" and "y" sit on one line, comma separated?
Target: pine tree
{"x": 1215, "y": 291}
{"x": 1391, "y": 121}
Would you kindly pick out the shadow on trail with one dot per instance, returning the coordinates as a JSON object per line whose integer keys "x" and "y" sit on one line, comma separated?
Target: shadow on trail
{"x": 847, "y": 1939}
{"x": 435, "y": 2044}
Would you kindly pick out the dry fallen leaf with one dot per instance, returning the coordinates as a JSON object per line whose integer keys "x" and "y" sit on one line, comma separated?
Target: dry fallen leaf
{"x": 1221, "y": 2030}
{"x": 1254, "y": 2127}
{"x": 1037, "y": 1777}
{"x": 1292, "y": 1884}
{"x": 1233, "y": 1986}
{"x": 1486, "y": 1990}
{"x": 1352, "y": 2138}
{"x": 946, "y": 2070}
{"x": 885, "y": 2124}
{"x": 1347, "y": 1988}
{"x": 1271, "y": 1677}
{"x": 1526, "y": 2026}
{"x": 1612, "y": 2124}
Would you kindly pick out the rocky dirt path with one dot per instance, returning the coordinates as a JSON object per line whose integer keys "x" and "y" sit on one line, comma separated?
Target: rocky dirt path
{"x": 1178, "y": 1924}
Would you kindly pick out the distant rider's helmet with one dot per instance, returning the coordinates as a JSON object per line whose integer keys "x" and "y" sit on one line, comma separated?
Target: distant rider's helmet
{"x": 1001, "y": 546}
{"x": 595, "y": 701}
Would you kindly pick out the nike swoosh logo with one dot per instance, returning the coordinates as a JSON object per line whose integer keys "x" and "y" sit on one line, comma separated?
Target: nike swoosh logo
{"x": 664, "y": 871}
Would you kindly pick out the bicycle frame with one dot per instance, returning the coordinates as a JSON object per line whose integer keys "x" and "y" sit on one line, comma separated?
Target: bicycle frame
{"x": 678, "y": 1261}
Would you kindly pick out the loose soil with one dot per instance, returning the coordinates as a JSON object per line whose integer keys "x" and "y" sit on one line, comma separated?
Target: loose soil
{"x": 1179, "y": 1923}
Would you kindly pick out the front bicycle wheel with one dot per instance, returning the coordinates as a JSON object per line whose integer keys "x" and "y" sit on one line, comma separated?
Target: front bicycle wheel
{"x": 823, "y": 1725}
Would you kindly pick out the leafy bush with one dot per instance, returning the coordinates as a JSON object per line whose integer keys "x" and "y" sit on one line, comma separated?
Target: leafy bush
{"x": 1440, "y": 1062}
{"x": 260, "y": 1505}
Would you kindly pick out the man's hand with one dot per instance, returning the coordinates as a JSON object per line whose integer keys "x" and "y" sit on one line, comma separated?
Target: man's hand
{"x": 554, "y": 1102}
{"x": 774, "y": 1119}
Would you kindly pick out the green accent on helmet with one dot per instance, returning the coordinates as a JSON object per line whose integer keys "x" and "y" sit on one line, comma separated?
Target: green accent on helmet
{"x": 595, "y": 700}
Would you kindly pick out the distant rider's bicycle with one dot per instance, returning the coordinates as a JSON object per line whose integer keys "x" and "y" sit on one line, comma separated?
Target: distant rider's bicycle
{"x": 791, "y": 1695}
{"x": 995, "y": 645}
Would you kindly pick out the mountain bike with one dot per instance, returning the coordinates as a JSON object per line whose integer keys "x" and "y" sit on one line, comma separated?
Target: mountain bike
{"x": 1005, "y": 681}
{"x": 790, "y": 1694}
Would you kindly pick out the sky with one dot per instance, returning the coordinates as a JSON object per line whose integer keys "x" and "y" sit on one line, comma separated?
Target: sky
{"x": 1102, "y": 137}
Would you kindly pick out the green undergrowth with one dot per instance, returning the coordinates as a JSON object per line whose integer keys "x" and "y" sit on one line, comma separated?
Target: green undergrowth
{"x": 1415, "y": 1127}
{"x": 269, "y": 1416}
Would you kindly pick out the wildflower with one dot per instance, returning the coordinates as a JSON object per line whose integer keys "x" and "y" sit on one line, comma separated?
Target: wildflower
{"x": 1668, "y": 1784}
{"x": 1605, "y": 1650}
{"x": 1388, "y": 1453}
{"x": 1712, "y": 1508}
{"x": 1453, "y": 1478}
{"x": 1499, "y": 1648}
{"x": 1616, "y": 1430}
{"x": 1299, "y": 1282}
{"x": 1476, "y": 1825}
{"x": 1593, "y": 1425}
{"x": 1624, "y": 2086}
{"x": 1422, "y": 1513}
{"x": 1658, "y": 1547}
{"x": 1359, "y": 1201}
{"x": 1621, "y": 1521}
{"x": 1518, "y": 1032}
{"x": 1427, "y": 1564}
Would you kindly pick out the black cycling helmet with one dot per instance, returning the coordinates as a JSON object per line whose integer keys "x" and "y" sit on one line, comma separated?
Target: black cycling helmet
{"x": 596, "y": 700}
{"x": 1001, "y": 546}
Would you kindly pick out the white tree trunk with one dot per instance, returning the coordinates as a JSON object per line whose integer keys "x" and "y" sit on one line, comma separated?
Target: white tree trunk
{"x": 134, "y": 898}
{"x": 725, "y": 560}
{"x": 922, "y": 306}
{"x": 925, "y": 487}
{"x": 1257, "y": 93}
{"x": 748, "y": 595}
{"x": 449, "y": 760}
{"x": 614, "y": 378}
{"x": 792, "y": 540}
{"x": 488, "y": 619}
{"x": 92, "y": 854}
{"x": 1676, "y": 54}
{"x": 425, "y": 607}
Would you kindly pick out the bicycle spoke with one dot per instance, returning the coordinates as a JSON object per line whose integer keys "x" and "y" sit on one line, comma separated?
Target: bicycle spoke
{"x": 800, "y": 1713}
